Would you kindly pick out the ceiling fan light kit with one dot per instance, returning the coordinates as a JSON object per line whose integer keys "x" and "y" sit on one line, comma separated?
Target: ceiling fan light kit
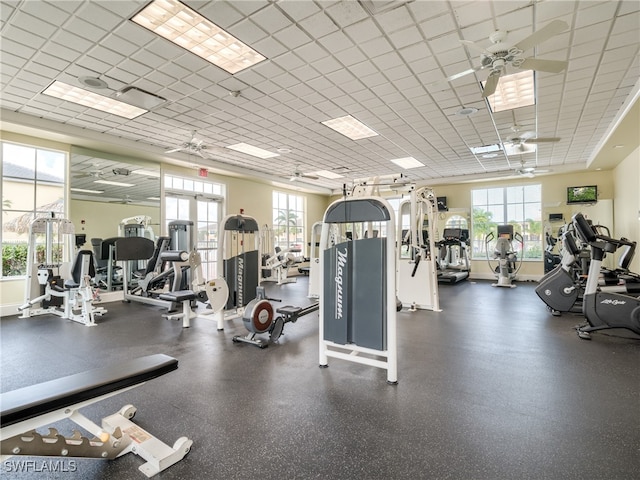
{"x": 500, "y": 54}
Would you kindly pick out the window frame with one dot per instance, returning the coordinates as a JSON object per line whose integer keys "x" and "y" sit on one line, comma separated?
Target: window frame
{"x": 300, "y": 241}
{"x": 502, "y": 199}
{"x": 37, "y": 184}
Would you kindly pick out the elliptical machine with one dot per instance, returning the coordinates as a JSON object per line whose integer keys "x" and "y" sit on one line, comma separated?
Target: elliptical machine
{"x": 604, "y": 309}
{"x": 504, "y": 251}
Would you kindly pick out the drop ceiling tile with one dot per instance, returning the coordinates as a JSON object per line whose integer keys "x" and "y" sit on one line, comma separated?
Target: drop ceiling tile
{"x": 623, "y": 40}
{"x": 439, "y": 26}
{"x": 318, "y": 25}
{"x": 270, "y": 15}
{"x": 346, "y": 13}
{"x": 363, "y": 32}
{"x": 247, "y": 31}
{"x": 16, "y": 51}
{"x": 336, "y": 42}
{"x": 97, "y": 15}
{"x": 292, "y": 36}
{"x": 595, "y": 12}
{"x": 269, "y": 47}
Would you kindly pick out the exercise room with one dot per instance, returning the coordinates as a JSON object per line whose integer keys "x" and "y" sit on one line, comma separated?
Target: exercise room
{"x": 309, "y": 239}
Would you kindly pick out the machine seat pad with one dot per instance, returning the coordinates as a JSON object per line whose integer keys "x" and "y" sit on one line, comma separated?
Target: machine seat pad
{"x": 178, "y": 296}
{"x": 289, "y": 310}
{"x": 35, "y": 400}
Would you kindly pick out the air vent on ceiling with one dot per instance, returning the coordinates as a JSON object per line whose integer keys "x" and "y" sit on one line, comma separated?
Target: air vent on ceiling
{"x": 140, "y": 98}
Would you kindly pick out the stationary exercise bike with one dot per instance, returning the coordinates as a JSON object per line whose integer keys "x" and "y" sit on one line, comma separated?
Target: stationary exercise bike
{"x": 562, "y": 287}
{"x": 604, "y": 309}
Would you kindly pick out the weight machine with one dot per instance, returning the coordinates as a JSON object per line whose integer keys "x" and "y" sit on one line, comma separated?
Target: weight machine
{"x": 136, "y": 226}
{"x": 58, "y": 286}
{"x": 238, "y": 255}
{"x": 276, "y": 262}
{"x": 314, "y": 261}
{"x": 417, "y": 276}
{"x": 358, "y": 285}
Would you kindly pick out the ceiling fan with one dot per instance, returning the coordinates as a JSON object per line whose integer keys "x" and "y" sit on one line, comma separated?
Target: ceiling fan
{"x": 297, "y": 175}
{"x": 518, "y": 142}
{"x": 529, "y": 172}
{"x": 499, "y": 54}
{"x": 193, "y": 146}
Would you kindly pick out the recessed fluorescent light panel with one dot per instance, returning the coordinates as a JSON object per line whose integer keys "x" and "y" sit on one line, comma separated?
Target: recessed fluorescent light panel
{"x": 115, "y": 184}
{"x": 328, "y": 174}
{"x": 513, "y": 91}
{"x": 407, "y": 163}
{"x": 187, "y": 28}
{"x": 84, "y": 190}
{"x": 251, "y": 150}
{"x": 350, "y": 127}
{"x": 89, "y": 99}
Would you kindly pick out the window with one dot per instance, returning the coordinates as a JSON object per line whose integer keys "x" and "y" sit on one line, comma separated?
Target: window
{"x": 518, "y": 206}
{"x": 33, "y": 185}
{"x": 288, "y": 221}
{"x": 204, "y": 209}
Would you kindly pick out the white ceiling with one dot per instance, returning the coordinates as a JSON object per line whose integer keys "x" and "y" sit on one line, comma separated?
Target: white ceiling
{"x": 384, "y": 62}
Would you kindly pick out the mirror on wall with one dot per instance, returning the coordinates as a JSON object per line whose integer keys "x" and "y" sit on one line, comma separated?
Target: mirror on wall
{"x": 106, "y": 189}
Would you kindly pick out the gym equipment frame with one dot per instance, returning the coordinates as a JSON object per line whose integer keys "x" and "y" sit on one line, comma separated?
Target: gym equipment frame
{"x": 358, "y": 287}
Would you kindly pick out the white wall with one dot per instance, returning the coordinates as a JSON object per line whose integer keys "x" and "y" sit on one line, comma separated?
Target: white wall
{"x": 626, "y": 206}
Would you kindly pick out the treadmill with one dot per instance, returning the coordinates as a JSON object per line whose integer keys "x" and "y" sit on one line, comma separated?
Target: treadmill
{"x": 453, "y": 262}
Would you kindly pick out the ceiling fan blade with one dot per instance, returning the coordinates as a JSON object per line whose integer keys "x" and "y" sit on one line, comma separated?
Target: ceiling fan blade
{"x": 541, "y": 65}
{"x": 173, "y": 150}
{"x": 491, "y": 84}
{"x": 462, "y": 74}
{"x": 539, "y": 36}
{"x": 310, "y": 177}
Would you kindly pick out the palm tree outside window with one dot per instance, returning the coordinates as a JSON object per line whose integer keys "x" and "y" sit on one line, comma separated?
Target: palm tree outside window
{"x": 288, "y": 221}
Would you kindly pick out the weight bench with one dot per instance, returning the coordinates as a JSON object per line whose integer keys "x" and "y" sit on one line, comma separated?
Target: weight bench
{"x": 36, "y": 406}
{"x": 181, "y": 296}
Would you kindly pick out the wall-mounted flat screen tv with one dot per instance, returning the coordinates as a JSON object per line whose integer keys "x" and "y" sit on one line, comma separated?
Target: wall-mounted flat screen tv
{"x": 586, "y": 194}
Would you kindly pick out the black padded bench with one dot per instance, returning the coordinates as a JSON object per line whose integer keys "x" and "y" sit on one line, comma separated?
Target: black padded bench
{"x": 26, "y": 409}
{"x": 35, "y": 400}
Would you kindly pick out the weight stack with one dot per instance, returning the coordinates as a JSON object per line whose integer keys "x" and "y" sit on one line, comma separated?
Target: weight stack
{"x": 355, "y": 278}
